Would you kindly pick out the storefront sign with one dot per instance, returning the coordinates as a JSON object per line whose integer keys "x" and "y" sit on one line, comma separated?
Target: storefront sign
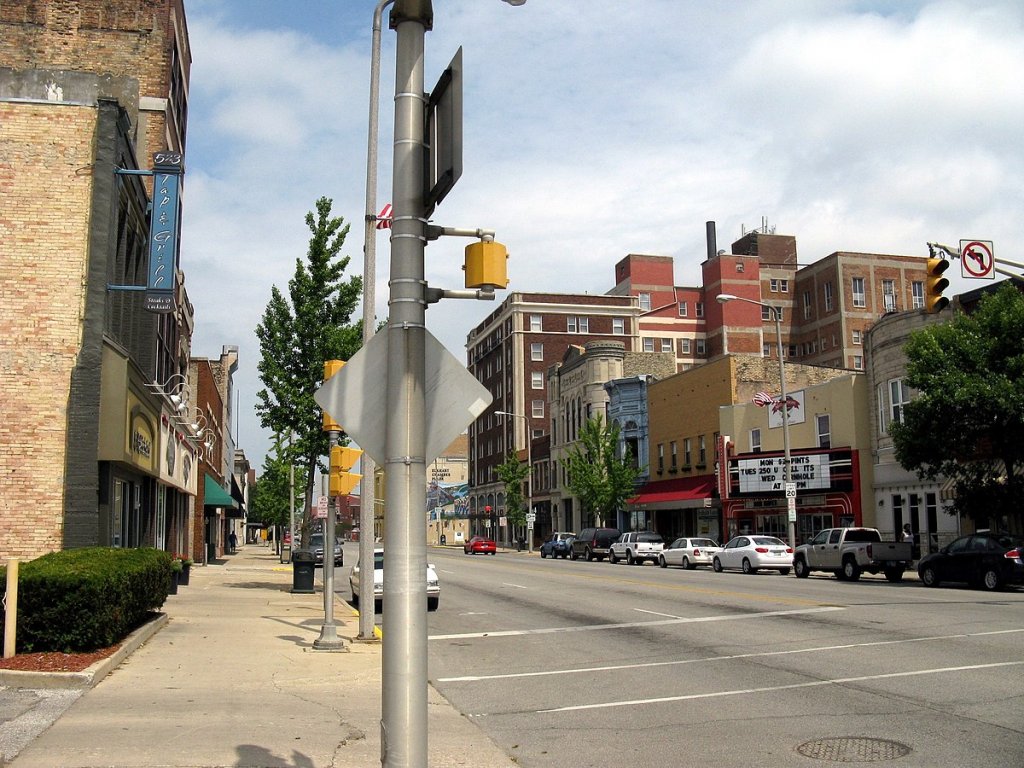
{"x": 767, "y": 475}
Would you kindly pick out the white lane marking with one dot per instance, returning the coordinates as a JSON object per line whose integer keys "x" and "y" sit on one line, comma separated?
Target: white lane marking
{"x": 769, "y": 689}
{"x": 734, "y": 657}
{"x": 509, "y": 584}
{"x": 655, "y": 613}
{"x": 631, "y": 624}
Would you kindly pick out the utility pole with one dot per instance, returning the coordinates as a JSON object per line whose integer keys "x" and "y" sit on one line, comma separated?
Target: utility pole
{"x": 404, "y": 710}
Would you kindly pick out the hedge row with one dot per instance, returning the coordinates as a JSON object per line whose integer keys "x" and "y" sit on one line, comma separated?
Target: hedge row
{"x": 80, "y": 600}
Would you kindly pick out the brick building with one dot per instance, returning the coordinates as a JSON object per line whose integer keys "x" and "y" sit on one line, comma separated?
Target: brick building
{"x": 96, "y": 448}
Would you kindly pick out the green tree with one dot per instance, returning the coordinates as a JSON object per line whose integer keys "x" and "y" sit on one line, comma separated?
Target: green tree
{"x": 966, "y": 422}
{"x": 298, "y": 334}
{"x": 595, "y": 475}
{"x": 513, "y": 474}
{"x": 270, "y": 495}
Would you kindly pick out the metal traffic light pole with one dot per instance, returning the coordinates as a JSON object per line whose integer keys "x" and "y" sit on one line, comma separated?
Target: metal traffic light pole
{"x": 404, "y": 666}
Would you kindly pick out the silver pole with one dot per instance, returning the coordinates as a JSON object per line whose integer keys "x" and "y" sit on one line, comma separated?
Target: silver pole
{"x": 777, "y": 311}
{"x": 329, "y": 640}
{"x": 404, "y": 710}
{"x": 368, "y": 488}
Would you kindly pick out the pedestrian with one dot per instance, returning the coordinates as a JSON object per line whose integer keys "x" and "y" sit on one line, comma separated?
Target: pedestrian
{"x": 232, "y": 541}
{"x": 908, "y": 534}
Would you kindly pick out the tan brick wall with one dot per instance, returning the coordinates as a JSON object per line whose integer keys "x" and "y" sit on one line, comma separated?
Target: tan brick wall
{"x": 45, "y": 187}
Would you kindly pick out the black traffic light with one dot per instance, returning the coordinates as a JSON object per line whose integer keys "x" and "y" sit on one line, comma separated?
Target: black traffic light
{"x": 935, "y": 284}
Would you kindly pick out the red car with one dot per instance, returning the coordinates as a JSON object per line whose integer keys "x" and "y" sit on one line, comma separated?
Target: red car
{"x": 479, "y": 545}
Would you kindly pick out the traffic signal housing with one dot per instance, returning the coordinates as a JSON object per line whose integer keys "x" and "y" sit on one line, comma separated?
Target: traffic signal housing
{"x": 935, "y": 284}
{"x": 341, "y": 481}
{"x": 486, "y": 265}
{"x": 331, "y": 367}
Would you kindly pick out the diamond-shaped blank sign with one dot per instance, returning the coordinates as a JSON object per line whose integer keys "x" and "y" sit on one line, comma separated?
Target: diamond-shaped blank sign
{"x": 356, "y": 397}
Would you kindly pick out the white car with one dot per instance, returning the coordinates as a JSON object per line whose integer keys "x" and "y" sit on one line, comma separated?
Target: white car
{"x": 355, "y": 578}
{"x": 751, "y": 553}
{"x": 689, "y": 553}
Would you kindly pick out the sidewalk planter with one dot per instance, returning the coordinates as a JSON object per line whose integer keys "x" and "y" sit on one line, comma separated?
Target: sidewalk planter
{"x": 186, "y": 567}
{"x": 303, "y": 569}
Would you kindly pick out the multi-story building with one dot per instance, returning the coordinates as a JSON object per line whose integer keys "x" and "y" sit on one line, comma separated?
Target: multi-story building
{"x": 510, "y": 353}
{"x": 900, "y": 496}
{"x": 830, "y": 452}
{"x": 97, "y": 447}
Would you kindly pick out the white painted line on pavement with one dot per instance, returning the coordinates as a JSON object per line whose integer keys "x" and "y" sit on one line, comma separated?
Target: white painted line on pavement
{"x": 632, "y": 624}
{"x": 770, "y": 689}
{"x": 509, "y": 584}
{"x": 655, "y": 613}
{"x": 734, "y": 657}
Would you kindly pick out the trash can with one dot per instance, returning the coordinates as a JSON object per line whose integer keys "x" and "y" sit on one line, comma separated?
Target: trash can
{"x": 520, "y": 544}
{"x": 303, "y": 569}
{"x": 444, "y": 539}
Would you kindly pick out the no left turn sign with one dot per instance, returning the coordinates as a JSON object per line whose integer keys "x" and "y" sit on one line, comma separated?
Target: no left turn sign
{"x": 976, "y": 259}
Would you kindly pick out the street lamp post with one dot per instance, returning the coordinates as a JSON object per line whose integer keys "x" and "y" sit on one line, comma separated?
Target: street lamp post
{"x": 529, "y": 470}
{"x": 722, "y": 298}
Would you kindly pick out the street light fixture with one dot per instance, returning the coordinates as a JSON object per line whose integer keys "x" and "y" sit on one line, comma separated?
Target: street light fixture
{"x": 722, "y": 298}
{"x": 529, "y": 454}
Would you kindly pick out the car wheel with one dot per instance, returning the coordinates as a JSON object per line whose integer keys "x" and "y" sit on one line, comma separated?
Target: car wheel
{"x": 784, "y": 571}
{"x": 543, "y": 554}
{"x": 630, "y": 560}
{"x": 748, "y": 568}
{"x": 588, "y": 554}
{"x": 991, "y": 580}
{"x": 612, "y": 557}
{"x": 802, "y": 571}
{"x": 687, "y": 564}
{"x": 432, "y": 603}
{"x": 494, "y": 552}
{"x": 851, "y": 571}
{"x": 573, "y": 555}
{"x": 661, "y": 561}
{"x": 716, "y": 565}
{"x": 929, "y": 577}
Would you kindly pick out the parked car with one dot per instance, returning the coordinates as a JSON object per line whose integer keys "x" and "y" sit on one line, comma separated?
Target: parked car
{"x": 636, "y": 547}
{"x": 557, "y": 545}
{"x": 753, "y": 553}
{"x": 480, "y": 545}
{"x": 689, "y": 553}
{"x": 355, "y": 579}
{"x": 593, "y": 543}
{"x": 316, "y": 543}
{"x": 848, "y": 552}
{"x": 986, "y": 560}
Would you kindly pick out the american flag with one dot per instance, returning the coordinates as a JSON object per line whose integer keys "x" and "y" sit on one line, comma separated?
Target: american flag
{"x": 762, "y": 399}
{"x": 384, "y": 217}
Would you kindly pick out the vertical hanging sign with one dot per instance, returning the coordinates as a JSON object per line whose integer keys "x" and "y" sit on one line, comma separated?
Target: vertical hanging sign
{"x": 163, "y": 231}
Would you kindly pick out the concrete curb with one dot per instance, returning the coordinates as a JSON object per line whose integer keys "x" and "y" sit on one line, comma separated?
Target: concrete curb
{"x": 91, "y": 675}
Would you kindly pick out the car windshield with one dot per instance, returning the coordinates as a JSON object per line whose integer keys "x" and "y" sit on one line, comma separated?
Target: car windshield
{"x": 862, "y": 535}
{"x": 649, "y": 537}
{"x": 704, "y": 543}
{"x": 768, "y": 541}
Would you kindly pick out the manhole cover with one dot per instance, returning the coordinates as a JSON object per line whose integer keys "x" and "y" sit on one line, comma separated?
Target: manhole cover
{"x": 851, "y": 749}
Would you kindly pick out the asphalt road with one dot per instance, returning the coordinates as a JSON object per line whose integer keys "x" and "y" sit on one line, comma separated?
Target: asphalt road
{"x": 589, "y": 664}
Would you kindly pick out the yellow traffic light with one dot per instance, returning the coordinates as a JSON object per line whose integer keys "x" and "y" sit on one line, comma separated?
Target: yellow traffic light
{"x": 485, "y": 265}
{"x": 342, "y": 482}
{"x": 935, "y": 284}
{"x": 344, "y": 457}
{"x": 331, "y": 367}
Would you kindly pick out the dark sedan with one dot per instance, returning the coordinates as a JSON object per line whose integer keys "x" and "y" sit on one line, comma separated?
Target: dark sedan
{"x": 986, "y": 560}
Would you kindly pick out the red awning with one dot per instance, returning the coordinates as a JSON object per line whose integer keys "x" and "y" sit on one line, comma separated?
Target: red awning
{"x": 678, "y": 489}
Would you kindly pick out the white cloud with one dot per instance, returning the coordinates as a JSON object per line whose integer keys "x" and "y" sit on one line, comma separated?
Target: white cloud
{"x": 598, "y": 129}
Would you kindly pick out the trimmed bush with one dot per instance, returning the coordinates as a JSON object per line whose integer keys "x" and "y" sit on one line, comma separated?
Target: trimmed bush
{"x": 89, "y": 598}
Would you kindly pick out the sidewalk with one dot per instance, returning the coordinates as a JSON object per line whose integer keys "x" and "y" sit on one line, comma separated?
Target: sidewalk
{"x": 232, "y": 679}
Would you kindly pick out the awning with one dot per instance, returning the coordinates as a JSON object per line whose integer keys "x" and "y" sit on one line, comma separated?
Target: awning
{"x": 678, "y": 492}
{"x": 215, "y": 496}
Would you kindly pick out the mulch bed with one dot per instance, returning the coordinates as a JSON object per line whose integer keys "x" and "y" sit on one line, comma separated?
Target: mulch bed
{"x": 55, "y": 661}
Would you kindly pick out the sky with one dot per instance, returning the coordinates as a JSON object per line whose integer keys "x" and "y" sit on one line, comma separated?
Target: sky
{"x": 595, "y": 129}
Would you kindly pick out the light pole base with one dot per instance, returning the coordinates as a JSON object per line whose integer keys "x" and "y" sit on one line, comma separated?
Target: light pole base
{"x": 329, "y": 640}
